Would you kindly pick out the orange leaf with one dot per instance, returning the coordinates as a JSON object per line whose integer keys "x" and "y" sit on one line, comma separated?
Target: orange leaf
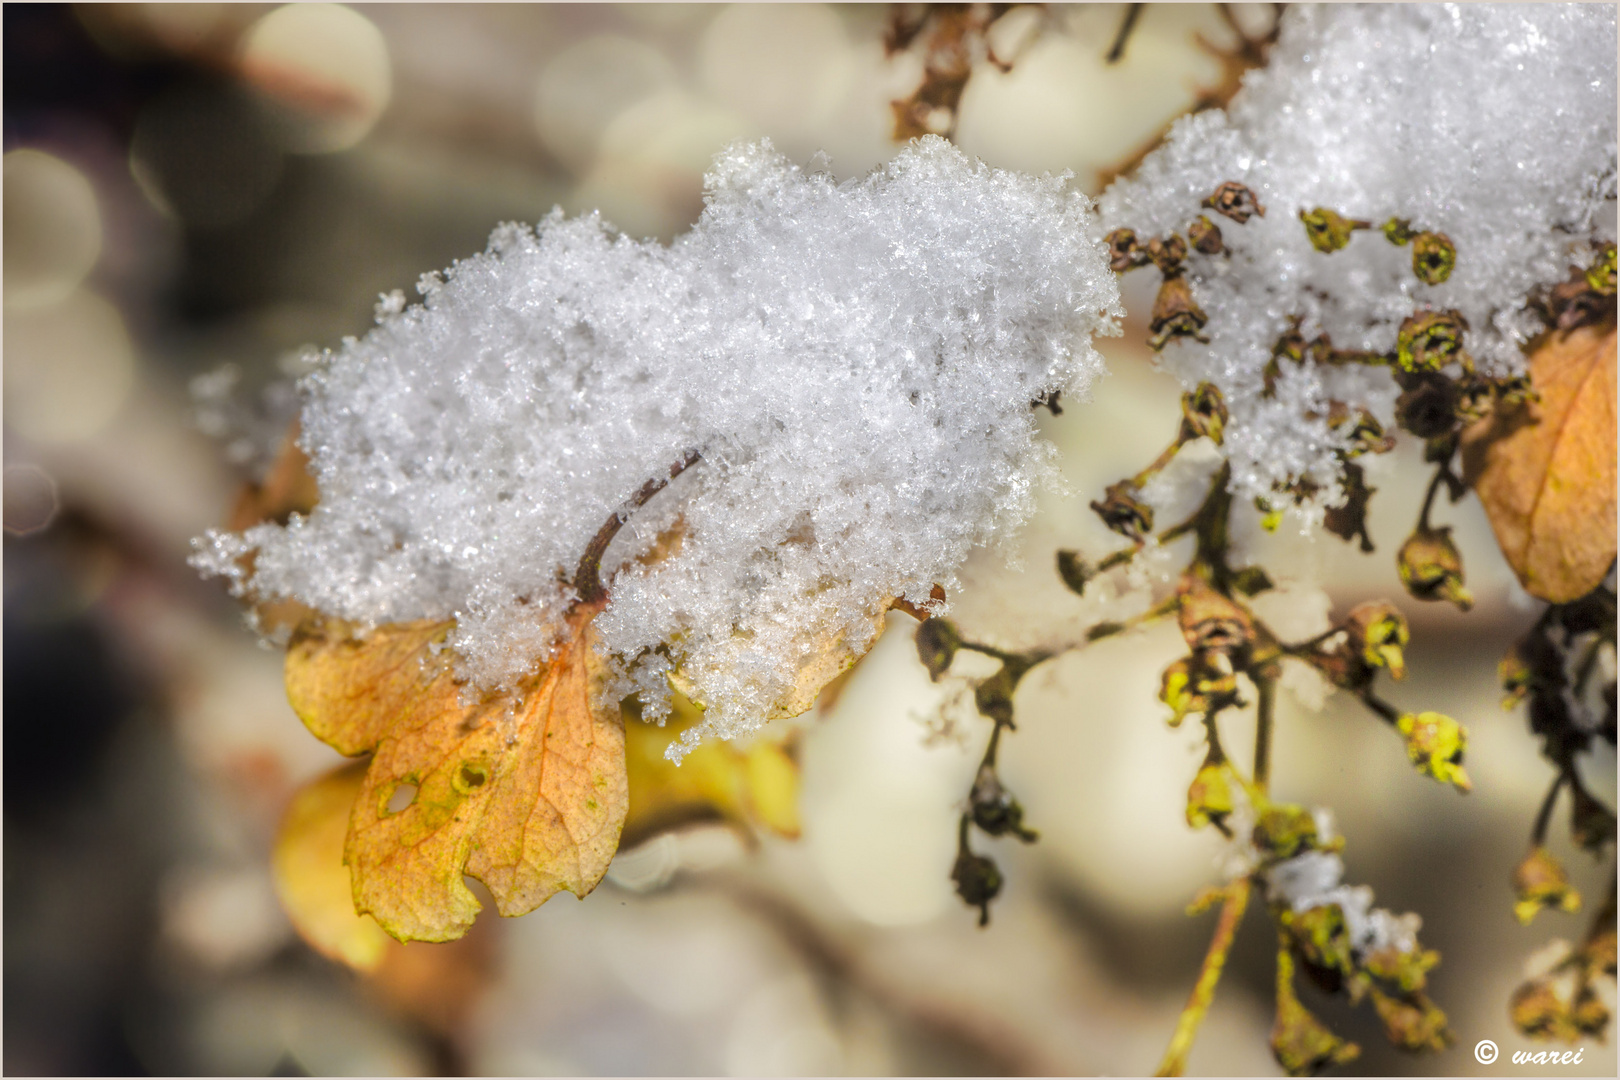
{"x": 1545, "y": 473}
{"x": 311, "y": 880}
{"x": 524, "y": 790}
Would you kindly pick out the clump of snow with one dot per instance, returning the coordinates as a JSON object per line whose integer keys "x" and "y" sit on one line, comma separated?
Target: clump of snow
{"x": 1492, "y": 124}
{"x": 855, "y": 363}
{"x": 1315, "y": 879}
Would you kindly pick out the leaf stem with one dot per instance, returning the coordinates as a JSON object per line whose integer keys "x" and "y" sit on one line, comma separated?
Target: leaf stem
{"x": 1544, "y": 817}
{"x": 588, "y": 576}
{"x": 1203, "y": 992}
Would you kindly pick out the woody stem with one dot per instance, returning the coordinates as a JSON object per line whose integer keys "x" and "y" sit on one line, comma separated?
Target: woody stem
{"x": 1203, "y": 992}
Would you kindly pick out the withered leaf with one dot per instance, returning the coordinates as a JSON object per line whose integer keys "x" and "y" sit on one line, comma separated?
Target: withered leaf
{"x": 524, "y": 791}
{"x": 310, "y": 878}
{"x": 1545, "y": 472}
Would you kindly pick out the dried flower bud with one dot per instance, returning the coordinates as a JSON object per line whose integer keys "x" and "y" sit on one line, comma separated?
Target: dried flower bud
{"x": 978, "y": 881}
{"x": 1074, "y": 571}
{"x": 1300, "y": 1042}
{"x": 1349, "y": 520}
{"x": 1329, "y": 231}
{"x": 1431, "y": 567}
{"x": 1321, "y": 936}
{"x": 1176, "y": 314}
{"x": 1589, "y": 1013}
{"x": 1203, "y": 414}
{"x": 1398, "y": 231}
{"x": 1600, "y": 278}
{"x": 1537, "y": 1011}
{"x": 1233, "y": 200}
{"x": 1433, "y": 256}
{"x": 1409, "y": 970}
{"x": 1252, "y": 581}
{"x": 1540, "y": 882}
{"x": 1435, "y": 744}
{"x": 1516, "y": 677}
{"x": 1213, "y": 624}
{"x": 1428, "y": 407}
{"x": 1123, "y": 512}
{"x": 1205, "y": 236}
{"x": 1167, "y": 254}
{"x": 995, "y": 810}
{"x": 1411, "y": 1021}
{"x": 1429, "y": 340}
{"x": 1209, "y": 798}
{"x": 1591, "y": 824}
{"x": 1283, "y": 830}
{"x": 1125, "y": 252}
{"x": 994, "y": 696}
{"x": 1378, "y": 632}
{"x": 937, "y": 642}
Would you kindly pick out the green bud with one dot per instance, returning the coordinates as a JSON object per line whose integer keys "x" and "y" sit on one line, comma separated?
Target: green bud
{"x": 1408, "y": 970}
{"x": 1600, "y": 278}
{"x": 1540, "y": 882}
{"x": 1329, "y": 231}
{"x": 1209, "y": 798}
{"x": 1435, "y": 744}
{"x": 1398, "y": 231}
{"x": 937, "y": 642}
{"x": 1284, "y": 830}
{"x": 1433, "y": 256}
{"x": 1431, "y": 567}
{"x": 1411, "y": 1021}
{"x": 1516, "y": 678}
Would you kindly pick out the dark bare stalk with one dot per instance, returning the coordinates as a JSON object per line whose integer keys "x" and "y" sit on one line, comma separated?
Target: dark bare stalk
{"x": 588, "y": 576}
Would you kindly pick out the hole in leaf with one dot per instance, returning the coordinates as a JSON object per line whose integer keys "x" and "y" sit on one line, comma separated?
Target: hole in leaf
{"x": 470, "y": 777}
{"x": 403, "y": 795}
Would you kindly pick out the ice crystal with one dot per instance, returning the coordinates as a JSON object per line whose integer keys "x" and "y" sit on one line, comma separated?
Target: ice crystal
{"x": 1493, "y": 124}
{"x": 855, "y": 363}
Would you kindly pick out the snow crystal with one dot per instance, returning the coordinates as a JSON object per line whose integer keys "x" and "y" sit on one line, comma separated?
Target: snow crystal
{"x": 855, "y": 363}
{"x": 1315, "y": 879}
{"x": 1492, "y": 124}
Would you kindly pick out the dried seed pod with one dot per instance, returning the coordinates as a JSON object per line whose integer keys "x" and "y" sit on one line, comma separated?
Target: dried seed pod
{"x": 1540, "y": 882}
{"x": 978, "y": 881}
{"x": 1203, "y": 413}
{"x": 1378, "y": 632}
{"x": 1431, "y": 567}
{"x": 1328, "y": 230}
{"x": 1125, "y": 252}
{"x": 1433, "y": 256}
{"x": 937, "y": 642}
{"x": 1233, "y": 200}
{"x": 1123, "y": 512}
{"x": 1074, "y": 571}
{"x": 994, "y": 809}
{"x": 1205, "y": 236}
{"x": 1428, "y": 407}
{"x": 1213, "y": 624}
{"x": 1176, "y": 314}
{"x": 1167, "y": 254}
{"x": 1429, "y": 340}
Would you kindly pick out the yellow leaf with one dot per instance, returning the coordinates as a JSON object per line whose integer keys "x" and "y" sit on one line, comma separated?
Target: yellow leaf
{"x": 1545, "y": 473}
{"x": 313, "y": 883}
{"x": 715, "y": 780}
{"x": 524, "y": 791}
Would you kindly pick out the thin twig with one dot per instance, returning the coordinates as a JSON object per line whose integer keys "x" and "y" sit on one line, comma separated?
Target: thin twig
{"x": 1539, "y": 833}
{"x": 1203, "y": 992}
{"x": 588, "y": 577}
{"x": 1117, "y": 51}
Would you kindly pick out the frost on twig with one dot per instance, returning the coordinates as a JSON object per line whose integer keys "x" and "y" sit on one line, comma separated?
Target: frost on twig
{"x": 1492, "y": 125}
{"x": 854, "y": 362}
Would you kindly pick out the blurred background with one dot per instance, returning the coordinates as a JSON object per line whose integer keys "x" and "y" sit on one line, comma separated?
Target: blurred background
{"x": 194, "y": 192}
